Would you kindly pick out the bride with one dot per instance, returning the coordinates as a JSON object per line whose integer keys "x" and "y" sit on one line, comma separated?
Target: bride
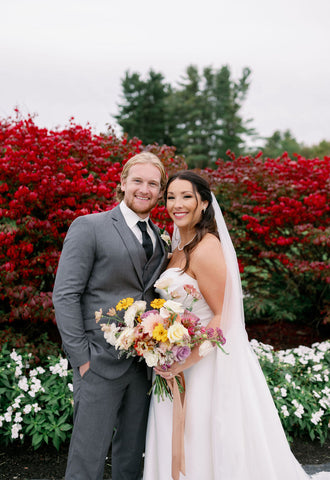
{"x": 232, "y": 429}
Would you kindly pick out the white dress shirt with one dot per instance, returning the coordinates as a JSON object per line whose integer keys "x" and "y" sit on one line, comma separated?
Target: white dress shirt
{"x": 132, "y": 219}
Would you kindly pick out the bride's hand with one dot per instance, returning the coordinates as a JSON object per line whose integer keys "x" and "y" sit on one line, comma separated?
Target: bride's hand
{"x": 170, "y": 373}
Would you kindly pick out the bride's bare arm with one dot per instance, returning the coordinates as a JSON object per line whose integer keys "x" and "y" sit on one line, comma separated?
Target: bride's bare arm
{"x": 208, "y": 266}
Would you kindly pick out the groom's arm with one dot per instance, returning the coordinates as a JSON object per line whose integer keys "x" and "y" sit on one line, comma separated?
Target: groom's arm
{"x": 75, "y": 265}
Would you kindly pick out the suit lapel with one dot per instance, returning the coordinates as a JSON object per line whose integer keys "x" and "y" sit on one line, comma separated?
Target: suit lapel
{"x": 128, "y": 240}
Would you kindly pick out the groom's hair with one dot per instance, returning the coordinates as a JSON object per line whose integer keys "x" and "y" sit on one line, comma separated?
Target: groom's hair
{"x": 141, "y": 158}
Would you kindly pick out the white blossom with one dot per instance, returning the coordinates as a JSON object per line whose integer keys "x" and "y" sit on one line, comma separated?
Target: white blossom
{"x": 125, "y": 339}
{"x": 109, "y": 332}
{"x": 283, "y": 392}
{"x": 61, "y": 368}
{"x": 23, "y": 384}
{"x": 316, "y": 417}
{"x": 8, "y": 416}
{"x": 299, "y": 409}
{"x": 171, "y": 306}
{"x": 14, "y": 356}
{"x": 36, "y": 408}
{"x": 27, "y": 409}
{"x": 325, "y": 403}
{"x": 164, "y": 283}
{"x": 18, "y": 417}
{"x": 205, "y": 348}
{"x": 285, "y": 357}
{"x": 129, "y": 316}
{"x": 317, "y": 367}
{"x": 15, "y": 430}
{"x": 151, "y": 358}
{"x": 35, "y": 387}
{"x": 288, "y": 377}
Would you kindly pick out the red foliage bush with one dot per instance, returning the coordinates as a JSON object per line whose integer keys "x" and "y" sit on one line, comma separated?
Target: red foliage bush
{"x": 278, "y": 213}
{"x": 47, "y": 179}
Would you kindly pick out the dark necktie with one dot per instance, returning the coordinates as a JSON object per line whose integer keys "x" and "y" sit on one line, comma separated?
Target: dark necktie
{"x": 146, "y": 240}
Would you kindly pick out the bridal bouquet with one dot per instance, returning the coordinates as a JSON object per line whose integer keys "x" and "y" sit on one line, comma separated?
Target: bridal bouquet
{"x": 164, "y": 334}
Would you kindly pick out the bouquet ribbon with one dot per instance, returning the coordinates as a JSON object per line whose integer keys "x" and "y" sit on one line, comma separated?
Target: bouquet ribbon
{"x": 179, "y": 410}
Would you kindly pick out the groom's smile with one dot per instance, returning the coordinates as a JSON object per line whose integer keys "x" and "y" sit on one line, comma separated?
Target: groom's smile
{"x": 142, "y": 188}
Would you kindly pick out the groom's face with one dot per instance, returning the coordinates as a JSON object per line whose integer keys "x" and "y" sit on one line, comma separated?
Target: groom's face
{"x": 142, "y": 188}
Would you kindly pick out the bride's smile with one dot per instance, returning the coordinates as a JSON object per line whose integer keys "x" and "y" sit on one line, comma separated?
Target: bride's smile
{"x": 184, "y": 206}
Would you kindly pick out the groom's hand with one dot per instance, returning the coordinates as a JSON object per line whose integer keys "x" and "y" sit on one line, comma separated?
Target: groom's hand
{"x": 83, "y": 368}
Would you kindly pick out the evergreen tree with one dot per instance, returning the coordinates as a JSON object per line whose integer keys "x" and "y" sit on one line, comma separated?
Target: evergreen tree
{"x": 200, "y": 117}
{"x": 143, "y": 111}
{"x": 319, "y": 150}
{"x": 281, "y": 142}
{"x": 204, "y": 113}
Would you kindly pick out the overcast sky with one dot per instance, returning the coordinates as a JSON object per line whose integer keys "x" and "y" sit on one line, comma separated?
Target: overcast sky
{"x": 66, "y": 58}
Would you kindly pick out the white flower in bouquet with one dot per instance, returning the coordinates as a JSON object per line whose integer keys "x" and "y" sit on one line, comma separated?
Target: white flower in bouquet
{"x": 205, "y": 348}
{"x": 137, "y": 308}
{"x": 170, "y": 307}
{"x": 98, "y": 315}
{"x": 176, "y": 332}
{"x": 110, "y": 332}
{"x": 125, "y": 339}
{"x": 164, "y": 283}
{"x": 141, "y": 306}
{"x": 151, "y": 358}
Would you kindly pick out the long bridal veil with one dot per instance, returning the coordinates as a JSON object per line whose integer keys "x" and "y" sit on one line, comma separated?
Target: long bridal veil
{"x": 248, "y": 439}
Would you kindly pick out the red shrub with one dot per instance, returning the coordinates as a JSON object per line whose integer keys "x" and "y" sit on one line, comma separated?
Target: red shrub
{"x": 48, "y": 178}
{"x": 278, "y": 212}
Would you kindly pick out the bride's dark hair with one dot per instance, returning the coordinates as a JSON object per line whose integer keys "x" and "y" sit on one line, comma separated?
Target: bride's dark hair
{"x": 207, "y": 223}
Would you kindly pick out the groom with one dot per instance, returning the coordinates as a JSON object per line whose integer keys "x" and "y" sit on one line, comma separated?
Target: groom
{"x": 106, "y": 257}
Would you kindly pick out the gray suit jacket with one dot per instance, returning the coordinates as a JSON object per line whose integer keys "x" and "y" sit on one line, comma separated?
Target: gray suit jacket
{"x": 101, "y": 262}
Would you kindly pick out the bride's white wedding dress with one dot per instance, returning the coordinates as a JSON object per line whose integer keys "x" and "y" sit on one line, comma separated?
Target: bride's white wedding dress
{"x": 232, "y": 429}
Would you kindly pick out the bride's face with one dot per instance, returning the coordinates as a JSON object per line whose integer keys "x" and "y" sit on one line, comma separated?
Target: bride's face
{"x": 183, "y": 204}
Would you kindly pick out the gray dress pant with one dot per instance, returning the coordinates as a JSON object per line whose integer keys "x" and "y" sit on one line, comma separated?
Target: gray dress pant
{"x": 102, "y": 406}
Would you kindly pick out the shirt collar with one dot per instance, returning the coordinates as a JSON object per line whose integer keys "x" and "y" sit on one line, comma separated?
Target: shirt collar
{"x": 131, "y": 217}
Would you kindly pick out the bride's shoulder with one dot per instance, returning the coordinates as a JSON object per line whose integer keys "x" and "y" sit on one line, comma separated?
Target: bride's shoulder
{"x": 207, "y": 257}
{"x": 209, "y": 241}
{"x": 209, "y": 244}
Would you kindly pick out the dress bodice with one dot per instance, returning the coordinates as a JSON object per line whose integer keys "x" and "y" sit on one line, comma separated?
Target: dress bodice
{"x": 178, "y": 281}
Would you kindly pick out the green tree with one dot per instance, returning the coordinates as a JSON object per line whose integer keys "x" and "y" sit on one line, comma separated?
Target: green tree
{"x": 201, "y": 116}
{"x": 319, "y": 150}
{"x": 189, "y": 119}
{"x": 205, "y": 117}
{"x": 281, "y": 142}
{"x": 143, "y": 110}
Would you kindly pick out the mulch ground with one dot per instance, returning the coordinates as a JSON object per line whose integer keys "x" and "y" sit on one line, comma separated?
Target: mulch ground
{"x": 19, "y": 462}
